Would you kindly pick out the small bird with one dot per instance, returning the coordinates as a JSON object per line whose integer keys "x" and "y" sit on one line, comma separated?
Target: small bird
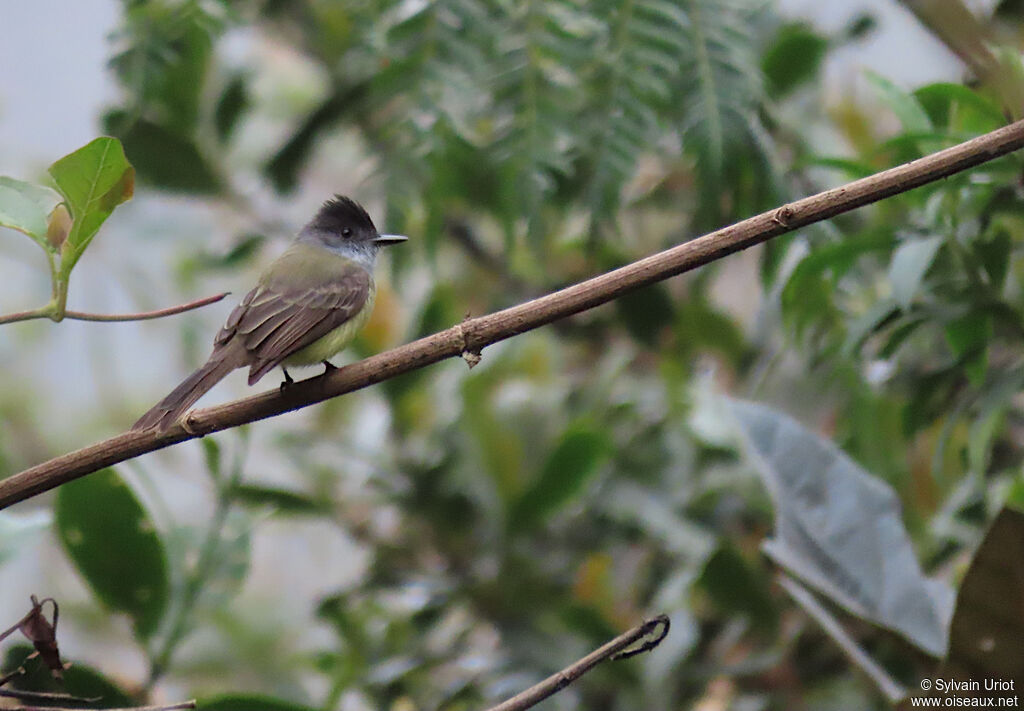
{"x": 307, "y": 306}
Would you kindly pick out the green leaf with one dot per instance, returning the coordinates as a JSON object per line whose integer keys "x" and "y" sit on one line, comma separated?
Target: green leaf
{"x": 233, "y": 102}
{"x": 906, "y": 107}
{"x": 282, "y": 500}
{"x": 859, "y": 27}
{"x": 735, "y": 586}
{"x": 1009, "y": 10}
{"x": 902, "y": 329}
{"x": 79, "y": 679}
{"x": 993, "y": 250}
{"x": 211, "y": 457}
{"x": 793, "y": 58}
{"x": 1015, "y": 494}
{"x": 112, "y": 541}
{"x": 439, "y": 312}
{"x": 93, "y": 180}
{"x": 250, "y": 702}
{"x": 576, "y": 458}
{"x": 700, "y": 326}
{"x": 178, "y": 87}
{"x": 879, "y": 314}
{"x": 25, "y": 207}
{"x": 833, "y": 259}
{"x": 501, "y": 456}
{"x": 839, "y": 529}
{"x": 910, "y": 263}
{"x": 944, "y": 101}
{"x": 968, "y": 337}
{"x": 982, "y": 434}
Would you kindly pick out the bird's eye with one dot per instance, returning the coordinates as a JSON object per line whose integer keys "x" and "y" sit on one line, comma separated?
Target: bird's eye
{"x": 346, "y": 232}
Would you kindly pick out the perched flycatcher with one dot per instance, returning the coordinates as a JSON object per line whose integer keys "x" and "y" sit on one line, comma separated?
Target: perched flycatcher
{"x": 308, "y": 305}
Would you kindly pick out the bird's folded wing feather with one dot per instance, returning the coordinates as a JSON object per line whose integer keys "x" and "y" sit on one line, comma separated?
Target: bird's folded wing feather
{"x": 274, "y": 321}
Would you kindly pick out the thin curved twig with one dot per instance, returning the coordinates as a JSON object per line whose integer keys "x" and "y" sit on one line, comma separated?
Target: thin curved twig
{"x": 472, "y": 335}
{"x": 816, "y": 611}
{"x": 191, "y": 704}
{"x": 108, "y": 318}
{"x": 618, "y": 648}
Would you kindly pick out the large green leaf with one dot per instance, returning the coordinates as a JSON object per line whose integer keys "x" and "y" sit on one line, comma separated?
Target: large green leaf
{"x": 112, "y": 541}
{"x": 93, "y": 180}
{"x": 839, "y": 529}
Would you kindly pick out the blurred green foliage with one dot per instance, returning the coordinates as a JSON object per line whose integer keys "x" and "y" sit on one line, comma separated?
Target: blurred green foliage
{"x": 583, "y": 476}
{"x": 103, "y": 526}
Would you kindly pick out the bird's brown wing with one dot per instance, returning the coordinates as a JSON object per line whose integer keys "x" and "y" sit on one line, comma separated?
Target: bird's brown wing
{"x": 274, "y": 321}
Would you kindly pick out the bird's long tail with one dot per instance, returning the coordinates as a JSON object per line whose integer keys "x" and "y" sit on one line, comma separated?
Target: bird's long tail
{"x": 166, "y": 412}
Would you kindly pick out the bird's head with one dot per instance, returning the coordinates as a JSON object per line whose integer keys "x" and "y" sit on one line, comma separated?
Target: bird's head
{"x": 342, "y": 225}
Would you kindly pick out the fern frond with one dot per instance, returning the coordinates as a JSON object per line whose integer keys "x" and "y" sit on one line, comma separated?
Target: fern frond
{"x": 720, "y": 91}
{"x": 547, "y": 52}
{"x": 641, "y": 64}
{"x": 436, "y": 56}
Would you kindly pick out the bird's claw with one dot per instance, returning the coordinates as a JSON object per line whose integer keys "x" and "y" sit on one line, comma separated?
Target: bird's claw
{"x": 287, "y": 382}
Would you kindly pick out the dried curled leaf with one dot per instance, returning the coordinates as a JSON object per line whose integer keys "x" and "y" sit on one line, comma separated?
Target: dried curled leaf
{"x": 43, "y": 635}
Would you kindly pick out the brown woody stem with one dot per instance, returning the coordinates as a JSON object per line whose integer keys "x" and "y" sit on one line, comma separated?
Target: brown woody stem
{"x": 618, "y": 648}
{"x": 474, "y": 334}
{"x": 142, "y": 316}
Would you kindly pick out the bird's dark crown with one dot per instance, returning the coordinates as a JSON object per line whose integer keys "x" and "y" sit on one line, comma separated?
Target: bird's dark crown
{"x": 340, "y": 213}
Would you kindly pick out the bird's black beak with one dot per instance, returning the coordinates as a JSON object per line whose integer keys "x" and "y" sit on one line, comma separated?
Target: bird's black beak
{"x": 389, "y": 239}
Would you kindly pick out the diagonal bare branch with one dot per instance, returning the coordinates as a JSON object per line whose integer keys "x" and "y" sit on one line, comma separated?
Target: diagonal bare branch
{"x": 472, "y": 335}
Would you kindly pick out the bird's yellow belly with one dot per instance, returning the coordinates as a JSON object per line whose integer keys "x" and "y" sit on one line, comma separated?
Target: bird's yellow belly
{"x": 334, "y": 342}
